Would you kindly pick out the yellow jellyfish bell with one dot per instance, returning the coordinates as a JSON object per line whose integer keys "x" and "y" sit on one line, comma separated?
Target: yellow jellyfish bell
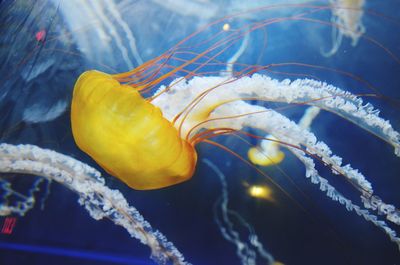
{"x": 128, "y": 136}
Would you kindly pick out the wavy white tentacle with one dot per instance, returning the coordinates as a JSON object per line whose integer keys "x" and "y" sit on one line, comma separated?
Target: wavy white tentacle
{"x": 98, "y": 199}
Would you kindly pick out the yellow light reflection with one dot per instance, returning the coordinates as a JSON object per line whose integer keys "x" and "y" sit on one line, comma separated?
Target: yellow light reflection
{"x": 261, "y": 192}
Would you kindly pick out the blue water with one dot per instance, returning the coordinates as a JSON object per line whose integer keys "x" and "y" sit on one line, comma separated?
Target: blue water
{"x": 38, "y": 75}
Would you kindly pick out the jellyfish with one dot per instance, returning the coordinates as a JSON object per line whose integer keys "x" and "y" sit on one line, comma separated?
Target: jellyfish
{"x": 148, "y": 142}
{"x": 347, "y": 14}
{"x": 144, "y": 126}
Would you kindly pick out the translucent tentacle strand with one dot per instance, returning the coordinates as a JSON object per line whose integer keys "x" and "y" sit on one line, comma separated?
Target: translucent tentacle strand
{"x": 98, "y": 199}
{"x": 98, "y": 9}
{"x": 248, "y": 252}
{"x": 128, "y": 32}
{"x": 337, "y": 37}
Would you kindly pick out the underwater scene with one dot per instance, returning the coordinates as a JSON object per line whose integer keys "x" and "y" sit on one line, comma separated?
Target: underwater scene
{"x": 199, "y": 132}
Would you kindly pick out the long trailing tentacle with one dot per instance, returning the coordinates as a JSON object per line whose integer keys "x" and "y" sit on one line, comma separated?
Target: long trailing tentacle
{"x": 250, "y": 250}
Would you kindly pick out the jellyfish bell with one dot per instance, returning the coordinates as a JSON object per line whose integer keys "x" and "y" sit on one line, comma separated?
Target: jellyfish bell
{"x": 127, "y": 135}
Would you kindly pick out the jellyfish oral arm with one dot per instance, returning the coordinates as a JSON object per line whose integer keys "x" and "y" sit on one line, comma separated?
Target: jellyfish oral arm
{"x": 226, "y": 101}
{"x": 300, "y": 91}
{"x": 98, "y": 199}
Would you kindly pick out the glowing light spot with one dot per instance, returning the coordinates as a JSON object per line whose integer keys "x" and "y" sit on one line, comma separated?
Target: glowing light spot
{"x": 226, "y": 27}
{"x": 261, "y": 192}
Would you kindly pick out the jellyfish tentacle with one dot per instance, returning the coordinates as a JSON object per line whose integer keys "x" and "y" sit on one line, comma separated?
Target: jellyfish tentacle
{"x": 248, "y": 252}
{"x": 99, "y": 11}
{"x": 231, "y": 62}
{"x": 23, "y": 203}
{"x": 337, "y": 37}
{"x": 128, "y": 32}
{"x": 375, "y": 203}
{"x": 309, "y": 115}
{"x": 98, "y": 199}
{"x": 332, "y": 193}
